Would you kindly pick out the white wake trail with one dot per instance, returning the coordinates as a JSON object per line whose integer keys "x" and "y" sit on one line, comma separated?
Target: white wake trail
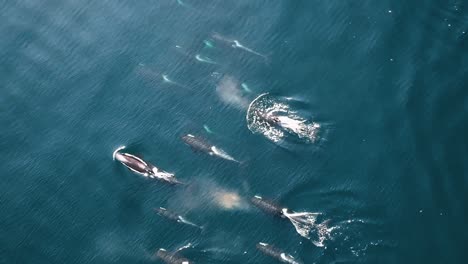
{"x": 222, "y": 154}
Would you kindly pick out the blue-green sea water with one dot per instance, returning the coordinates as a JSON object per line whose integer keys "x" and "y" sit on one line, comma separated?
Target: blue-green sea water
{"x": 388, "y": 81}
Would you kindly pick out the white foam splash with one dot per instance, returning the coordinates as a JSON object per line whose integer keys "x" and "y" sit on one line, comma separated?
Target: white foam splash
{"x": 299, "y": 126}
{"x": 305, "y": 224}
{"x": 288, "y": 121}
{"x": 289, "y": 259}
{"x": 162, "y": 175}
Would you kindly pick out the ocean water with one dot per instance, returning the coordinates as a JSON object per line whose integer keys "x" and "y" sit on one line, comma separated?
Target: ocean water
{"x": 387, "y": 81}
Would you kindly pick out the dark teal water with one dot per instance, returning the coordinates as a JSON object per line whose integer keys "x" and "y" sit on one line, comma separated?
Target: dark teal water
{"x": 388, "y": 79}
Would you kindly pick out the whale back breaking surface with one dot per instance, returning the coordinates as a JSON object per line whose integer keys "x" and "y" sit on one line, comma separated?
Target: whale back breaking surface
{"x": 267, "y": 205}
{"x": 171, "y": 258}
{"x": 277, "y": 253}
{"x": 269, "y": 250}
{"x": 167, "y": 214}
{"x": 132, "y": 162}
{"x": 197, "y": 143}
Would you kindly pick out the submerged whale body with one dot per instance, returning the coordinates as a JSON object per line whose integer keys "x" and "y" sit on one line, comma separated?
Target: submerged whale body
{"x": 268, "y": 206}
{"x": 174, "y": 217}
{"x": 171, "y": 258}
{"x": 200, "y": 144}
{"x": 276, "y": 253}
{"x": 142, "y": 167}
{"x": 167, "y": 214}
